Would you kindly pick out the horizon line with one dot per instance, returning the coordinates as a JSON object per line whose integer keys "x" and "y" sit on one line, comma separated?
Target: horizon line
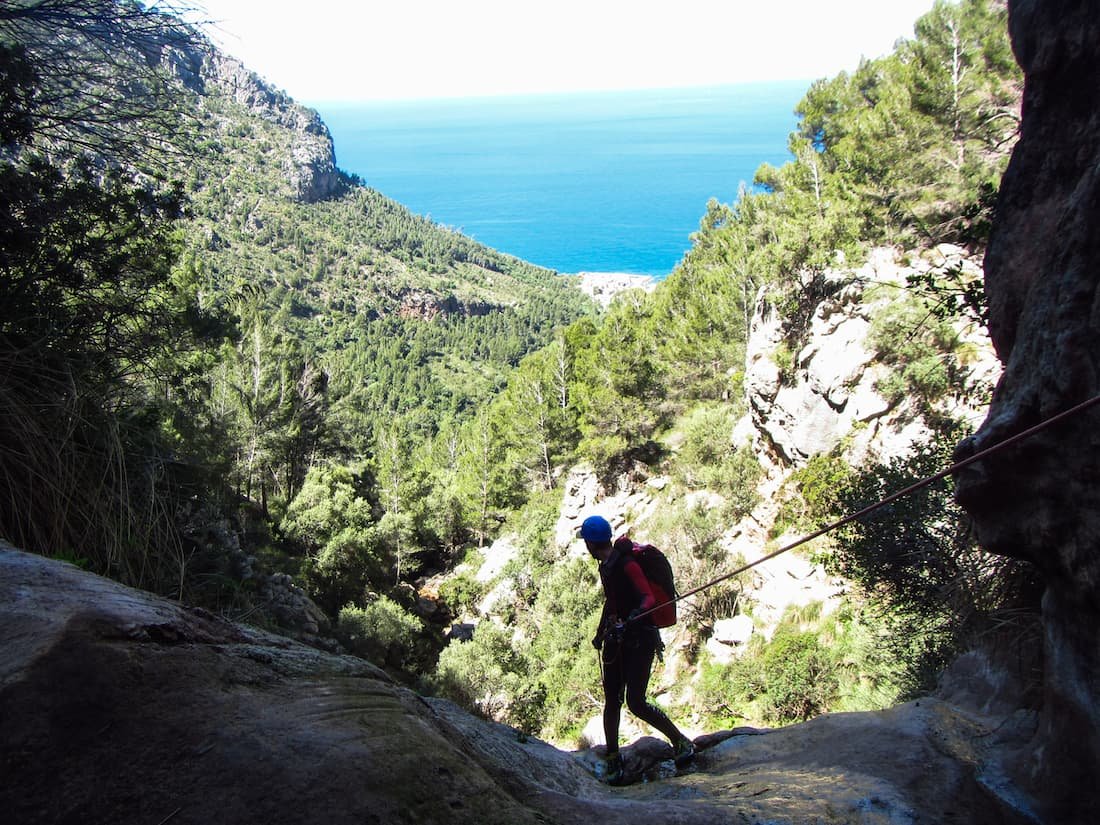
{"x": 505, "y": 96}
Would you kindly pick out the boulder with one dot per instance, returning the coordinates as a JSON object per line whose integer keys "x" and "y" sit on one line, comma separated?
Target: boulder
{"x": 735, "y": 631}
{"x": 122, "y": 707}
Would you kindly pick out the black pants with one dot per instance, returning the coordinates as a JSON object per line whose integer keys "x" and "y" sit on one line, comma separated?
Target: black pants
{"x": 627, "y": 664}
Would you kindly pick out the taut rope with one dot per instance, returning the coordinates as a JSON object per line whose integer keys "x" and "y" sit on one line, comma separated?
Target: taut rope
{"x": 912, "y": 488}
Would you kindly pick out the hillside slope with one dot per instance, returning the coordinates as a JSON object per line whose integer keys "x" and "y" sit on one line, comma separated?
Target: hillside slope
{"x": 276, "y": 227}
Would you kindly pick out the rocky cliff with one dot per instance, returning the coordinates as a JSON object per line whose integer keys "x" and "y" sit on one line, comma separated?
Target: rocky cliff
{"x": 1040, "y": 500}
{"x": 309, "y": 167}
{"x": 828, "y": 397}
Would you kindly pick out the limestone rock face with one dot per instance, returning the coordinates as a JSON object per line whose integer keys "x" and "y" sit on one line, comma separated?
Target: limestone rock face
{"x": 310, "y": 167}
{"x": 310, "y": 164}
{"x": 1040, "y": 500}
{"x": 827, "y": 392}
{"x": 425, "y": 306}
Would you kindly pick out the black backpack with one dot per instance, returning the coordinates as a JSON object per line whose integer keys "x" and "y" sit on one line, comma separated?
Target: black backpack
{"x": 658, "y": 571}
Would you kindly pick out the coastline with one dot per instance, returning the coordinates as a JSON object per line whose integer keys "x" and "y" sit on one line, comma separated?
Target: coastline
{"x": 604, "y": 286}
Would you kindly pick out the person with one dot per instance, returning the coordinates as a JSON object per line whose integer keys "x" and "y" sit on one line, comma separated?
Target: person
{"x": 627, "y": 642}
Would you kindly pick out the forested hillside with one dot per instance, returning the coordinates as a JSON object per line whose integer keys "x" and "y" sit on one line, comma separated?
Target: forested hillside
{"x": 228, "y": 310}
{"x": 906, "y": 152}
{"x": 233, "y": 373}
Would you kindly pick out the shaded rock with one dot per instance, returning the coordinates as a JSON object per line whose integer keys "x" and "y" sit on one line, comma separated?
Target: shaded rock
{"x": 122, "y": 707}
{"x": 1040, "y": 499}
{"x": 425, "y": 306}
{"x": 461, "y": 632}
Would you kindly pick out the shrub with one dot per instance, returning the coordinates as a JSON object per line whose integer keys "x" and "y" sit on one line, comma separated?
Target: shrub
{"x": 726, "y": 695}
{"x": 920, "y": 348}
{"x": 563, "y": 621}
{"x": 916, "y": 558}
{"x": 485, "y": 674}
{"x": 345, "y": 568}
{"x": 817, "y": 485}
{"x": 709, "y": 460}
{"x": 461, "y": 593}
{"x": 384, "y": 633}
{"x": 799, "y": 678}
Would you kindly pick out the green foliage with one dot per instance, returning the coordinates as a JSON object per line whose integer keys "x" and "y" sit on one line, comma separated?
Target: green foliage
{"x": 812, "y": 665}
{"x": 461, "y": 593}
{"x": 707, "y": 459}
{"x": 723, "y": 692}
{"x": 561, "y": 624}
{"x": 536, "y": 521}
{"x": 916, "y": 558}
{"x": 816, "y": 486}
{"x": 346, "y": 553}
{"x": 328, "y": 503}
{"x": 920, "y": 347}
{"x": 799, "y": 679}
{"x": 386, "y": 634}
{"x": 486, "y": 674}
{"x": 89, "y": 312}
{"x": 539, "y": 675}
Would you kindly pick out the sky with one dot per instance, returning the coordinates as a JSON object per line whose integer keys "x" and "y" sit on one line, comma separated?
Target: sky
{"x": 358, "y": 50}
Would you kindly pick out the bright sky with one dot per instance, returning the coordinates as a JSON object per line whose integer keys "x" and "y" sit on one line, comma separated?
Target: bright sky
{"x": 326, "y": 50}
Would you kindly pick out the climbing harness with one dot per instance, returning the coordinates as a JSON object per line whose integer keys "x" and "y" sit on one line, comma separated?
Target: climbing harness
{"x": 890, "y": 499}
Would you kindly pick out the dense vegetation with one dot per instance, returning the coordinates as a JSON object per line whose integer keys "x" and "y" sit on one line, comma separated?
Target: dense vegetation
{"x": 208, "y": 377}
{"x": 236, "y": 348}
{"x": 905, "y": 151}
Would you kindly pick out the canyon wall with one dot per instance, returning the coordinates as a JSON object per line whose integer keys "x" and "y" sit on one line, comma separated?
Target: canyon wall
{"x": 1039, "y": 500}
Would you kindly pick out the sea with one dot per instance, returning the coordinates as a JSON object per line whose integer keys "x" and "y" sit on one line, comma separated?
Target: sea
{"x": 596, "y": 182}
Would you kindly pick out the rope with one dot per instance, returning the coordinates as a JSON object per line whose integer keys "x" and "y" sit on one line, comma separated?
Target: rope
{"x": 890, "y": 499}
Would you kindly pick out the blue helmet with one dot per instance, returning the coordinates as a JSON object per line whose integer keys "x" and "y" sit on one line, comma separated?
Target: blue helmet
{"x": 596, "y": 529}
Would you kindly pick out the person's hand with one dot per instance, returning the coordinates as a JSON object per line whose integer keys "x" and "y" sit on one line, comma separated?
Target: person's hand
{"x": 597, "y": 641}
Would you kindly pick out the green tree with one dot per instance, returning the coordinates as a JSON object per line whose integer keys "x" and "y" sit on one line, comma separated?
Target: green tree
{"x": 917, "y": 560}
{"x": 89, "y": 307}
{"x": 346, "y": 555}
{"x": 401, "y": 491}
{"x": 799, "y": 677}
{"x": 387, "y": 635}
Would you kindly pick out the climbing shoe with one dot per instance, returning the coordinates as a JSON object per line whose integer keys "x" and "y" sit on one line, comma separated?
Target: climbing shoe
{"x": 613, "y": 769}
{"x": 684, "y": 752}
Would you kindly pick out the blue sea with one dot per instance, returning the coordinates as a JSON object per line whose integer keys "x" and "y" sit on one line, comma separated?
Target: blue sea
{"x": 587, "y": 182}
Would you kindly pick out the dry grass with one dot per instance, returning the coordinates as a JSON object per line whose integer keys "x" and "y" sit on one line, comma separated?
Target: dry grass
{"x": 77, "y": 482}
